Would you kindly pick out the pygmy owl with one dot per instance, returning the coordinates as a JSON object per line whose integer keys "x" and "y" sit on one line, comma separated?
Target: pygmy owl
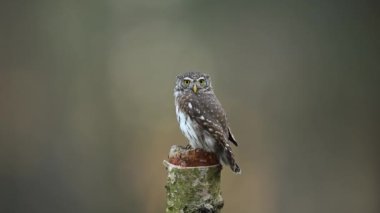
{"x": 201, "y": 117}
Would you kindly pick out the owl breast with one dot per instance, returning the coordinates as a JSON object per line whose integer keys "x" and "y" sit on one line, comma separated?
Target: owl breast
{"x": 196, "y": 136}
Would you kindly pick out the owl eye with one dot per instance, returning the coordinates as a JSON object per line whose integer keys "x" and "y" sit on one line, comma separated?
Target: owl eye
{"x": 202, "y": 82}
{"x": 186, "y": 82}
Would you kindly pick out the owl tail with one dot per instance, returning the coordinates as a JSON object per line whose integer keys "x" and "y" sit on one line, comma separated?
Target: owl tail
{"x": 235, "y": 167}
{"x": 227, "y": 157}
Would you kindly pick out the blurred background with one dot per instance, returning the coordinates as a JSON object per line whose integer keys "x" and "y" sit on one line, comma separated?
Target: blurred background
{"x": 87, "y": 108}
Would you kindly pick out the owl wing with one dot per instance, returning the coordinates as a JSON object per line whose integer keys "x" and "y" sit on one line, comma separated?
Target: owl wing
{"x": 220, "y": 116}
{"x": 207, "y": 111}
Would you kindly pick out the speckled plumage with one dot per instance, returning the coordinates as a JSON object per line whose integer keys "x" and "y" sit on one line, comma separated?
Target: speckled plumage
{"x": 201, "y": 117}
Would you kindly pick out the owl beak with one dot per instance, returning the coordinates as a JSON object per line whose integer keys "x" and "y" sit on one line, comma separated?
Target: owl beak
{"x": 195, "y": 88}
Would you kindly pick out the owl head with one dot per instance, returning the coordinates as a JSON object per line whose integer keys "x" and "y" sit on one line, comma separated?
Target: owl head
{"x": 195, "y": 82}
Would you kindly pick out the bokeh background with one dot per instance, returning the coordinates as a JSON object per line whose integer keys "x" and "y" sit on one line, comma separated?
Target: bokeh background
{"x": 87, "y": 109}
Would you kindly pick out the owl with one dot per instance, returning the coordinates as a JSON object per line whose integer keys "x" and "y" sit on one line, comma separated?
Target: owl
{"x": 202, "y": 119}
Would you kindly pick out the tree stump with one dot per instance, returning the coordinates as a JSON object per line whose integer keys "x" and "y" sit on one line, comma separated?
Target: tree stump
{"x": 193, "y": 183}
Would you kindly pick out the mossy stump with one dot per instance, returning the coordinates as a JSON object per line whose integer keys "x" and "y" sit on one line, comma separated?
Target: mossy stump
{"x": 193, "y": 183}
